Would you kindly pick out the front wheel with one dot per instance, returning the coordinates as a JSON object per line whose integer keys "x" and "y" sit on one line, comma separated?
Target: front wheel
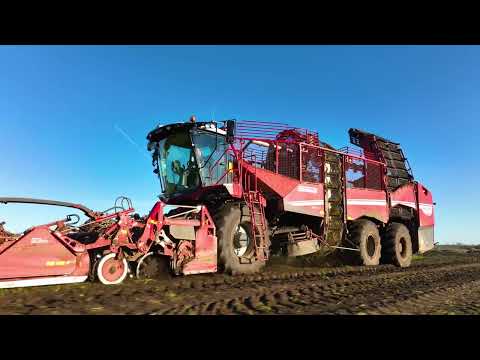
{"x": 112, "y": 271}
{"x": 236, "y": 248}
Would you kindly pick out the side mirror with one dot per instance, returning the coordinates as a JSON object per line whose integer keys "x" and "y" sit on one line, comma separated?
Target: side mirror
{"x": 230, "y": 131}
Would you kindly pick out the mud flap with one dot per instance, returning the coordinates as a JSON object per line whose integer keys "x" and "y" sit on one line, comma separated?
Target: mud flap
{"x": 205, "y": 243}
{"x": 425, "y": 239}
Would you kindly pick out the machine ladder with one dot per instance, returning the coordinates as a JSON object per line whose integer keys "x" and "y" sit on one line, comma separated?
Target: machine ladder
{"x": 259, "y": 229}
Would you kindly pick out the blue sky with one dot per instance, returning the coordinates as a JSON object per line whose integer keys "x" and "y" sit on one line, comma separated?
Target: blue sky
{"x": 65, "y": 110}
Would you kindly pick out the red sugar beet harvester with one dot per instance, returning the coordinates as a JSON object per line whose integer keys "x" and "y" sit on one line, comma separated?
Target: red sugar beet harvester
{"x": 235, "y": 193}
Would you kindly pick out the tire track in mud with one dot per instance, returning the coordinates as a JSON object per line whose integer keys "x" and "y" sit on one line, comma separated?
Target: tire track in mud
{"x": 347, "y": 271}
{"x": 364, "y": 292}
{"x": 334, "y": 274}
{"x": 312, "y": 290}
{"x": 456, "y": 299}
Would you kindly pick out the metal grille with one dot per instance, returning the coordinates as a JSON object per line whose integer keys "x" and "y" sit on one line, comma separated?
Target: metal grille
{"x": 358, "y": 152}
{"x": 270, "y": 161}
{"x": 351, "y": 150}
{"x": 354, "y": 172}
{"x": 248, "y": 129}
{"x": 256, "y": 155}
{"x": 312, "y": 160}
{"x": 275, "y": 151}
{"x": 288, "y": 156}
{"x": 362, "y": 173}
{"x": 374, "y": 176}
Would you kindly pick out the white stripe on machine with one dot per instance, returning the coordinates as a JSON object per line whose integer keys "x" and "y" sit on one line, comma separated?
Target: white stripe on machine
{"x": 406, "y": 203}
{"x": 56, "y": 280}
{"x": 426, "y": 208}
{"x": 371, "y": 202}
{"x": 305, "y": 202}
{"x": 349, "y": 202}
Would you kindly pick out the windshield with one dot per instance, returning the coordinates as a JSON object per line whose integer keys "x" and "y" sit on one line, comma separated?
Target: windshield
{"x": 184, "y": 167}
{"x": 177, "y": 163}
{"x": 211, "y": 155}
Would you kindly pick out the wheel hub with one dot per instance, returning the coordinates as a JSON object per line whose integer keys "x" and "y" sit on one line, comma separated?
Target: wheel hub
{"x": 371, "y": 246}
{"x": 241, "y": 241}
{"x": 402, "y": 247}
{"x": 113, "y": 269}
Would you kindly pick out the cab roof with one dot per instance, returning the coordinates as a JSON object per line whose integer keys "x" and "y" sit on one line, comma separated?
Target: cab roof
{"x": 163, "y": 131}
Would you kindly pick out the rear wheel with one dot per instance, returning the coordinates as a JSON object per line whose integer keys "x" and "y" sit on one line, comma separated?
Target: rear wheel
{"x": 364, "y": 234}
{"x": 112, "y": 271}
{"x": 236, "y": 248}
{"x": 397, "y": 245}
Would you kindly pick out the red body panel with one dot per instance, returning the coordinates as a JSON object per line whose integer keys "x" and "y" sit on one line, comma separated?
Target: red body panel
{"x": 39, "y": 253}
{"x": 404, "y": 196}
{"x": 306, "y": 199}
{"x": 205, "y": 244}
{"x": 426, "y": 206}
{"x": 367, "y": 202}
{"x": 205, "y": 248}
{"x": 282, "y": 185}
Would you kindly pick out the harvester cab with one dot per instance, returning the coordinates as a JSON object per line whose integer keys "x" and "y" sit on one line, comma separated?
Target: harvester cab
{"x": 184, "y": 155}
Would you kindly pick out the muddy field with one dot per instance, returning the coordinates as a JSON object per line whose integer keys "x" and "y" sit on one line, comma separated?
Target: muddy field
{"x": 444, "y": 281}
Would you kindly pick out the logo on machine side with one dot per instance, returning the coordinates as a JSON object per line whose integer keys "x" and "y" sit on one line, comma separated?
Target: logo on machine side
{"x": 38, "y": 241}
{"x": 59, "y": 263}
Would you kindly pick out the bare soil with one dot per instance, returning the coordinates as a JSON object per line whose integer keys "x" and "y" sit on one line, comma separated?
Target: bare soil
{"x": 444, "y": 281}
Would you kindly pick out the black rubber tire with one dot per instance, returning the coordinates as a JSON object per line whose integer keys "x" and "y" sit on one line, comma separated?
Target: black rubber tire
{"x": 152, "y": 267}
{"x": 226, "y": 222}
{"x": 364, "y": 234}
{"x": 397, "y": 245}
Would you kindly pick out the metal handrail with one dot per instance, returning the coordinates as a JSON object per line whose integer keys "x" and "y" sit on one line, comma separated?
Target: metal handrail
{"x": 342, "y": 153}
